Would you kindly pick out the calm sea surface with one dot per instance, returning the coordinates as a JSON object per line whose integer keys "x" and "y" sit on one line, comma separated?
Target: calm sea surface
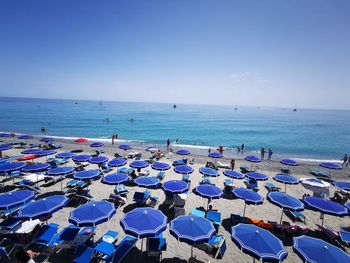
{"x": 315, "y": 134}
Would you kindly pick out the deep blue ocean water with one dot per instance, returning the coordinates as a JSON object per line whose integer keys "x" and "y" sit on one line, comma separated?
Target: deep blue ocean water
{"x": 307, "y": 133}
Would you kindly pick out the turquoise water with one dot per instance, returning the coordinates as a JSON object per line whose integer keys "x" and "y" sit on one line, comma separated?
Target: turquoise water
{"x": 306, "y": 133}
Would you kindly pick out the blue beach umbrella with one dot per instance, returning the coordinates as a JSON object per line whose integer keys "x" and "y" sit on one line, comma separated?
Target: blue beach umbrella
{"x": 325, "y": 206}
{"x": 314, "y": 250}
{"x": 31, "y": 151}
{"x": 25, "y": 137}
{"x": 47, "y": 139}
{"x": 11, "y": 167}
{"x": 99, "y": 160}
{"x": 45, "y": 153}
{"x": 209, "y": 191}
{"x": 347, "y": 205}
{"x": 82, "y": 158}
{"x": 285, "y": 201}
{"x": 286, "y": 179}
{"x": 192, "y": 229}
{"x": 115, "y": 178}
{"x": 87, "y": 175}
{"x": 257, "y": 176}
{"x": 5, "y": 135}
{"x": 215, "y": 155}
{"x": 183, "y": 152}
{"x": 65, "y": 155}
{"x": 96, "y": 144}
{"x": 333, "y": 166}
{"x": 43, "y": 207}
{"x": 175, "y": 186}
{"x": 183, "y": 169}
{"x": 209, "y": 171}
{"x": 61, "y": 171}
{"x": 144, "y": 222}
{"x": 92, "y": 214}
{"x": 160, "y": 166}
{"x": 252, "y": 159}
{"x": 4, "y": 147}
{"x": 289, "y": 162}
{"x": 343, "y": 185}
{"x": 258, "y": 242}
{"x": 249, "y": 196}
{"x": 234, "y": 174}
{"x": 117, "y": 162}
{"x": 124, "y": 147}
{"x": 138, "y": 164}
{"x": 16, "y": 198}
{"x": 35, "y": 168}
{"x": 147, "y": 181}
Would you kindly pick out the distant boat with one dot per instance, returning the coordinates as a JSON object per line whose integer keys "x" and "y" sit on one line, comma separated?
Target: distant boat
{"x": 295, "y": 109}
{"x": 76, "y": 102}
{"x": 174, "y": 106}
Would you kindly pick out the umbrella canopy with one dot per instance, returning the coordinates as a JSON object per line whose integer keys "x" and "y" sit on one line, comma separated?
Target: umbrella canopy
{"x": 314, "y": 250}
{"x": 47, "y": 139}
{"x": 92, "y": 214}
{"x": 10, "y": 167}
{"x": 160, "y": 166}
{"x": 96, "y": 144}
{"x": 209, "y": 191}
{"x": 183, "y": 169}
{"x": 87, "y": 175}
{"x": 147, "y": 181}
{"x": 124, "y": 147}
{"x": 234, "y": 174}
{"x": 82, "y": 158}
{"x": 31, "y": 151}
{"x": 257, "y": 176}
{"x": 117, "y": 162}
{"x": 183, "y": 152}
{"x": 317, "y": 186}
{"x": 175, "y": 186}
{"x": 209, "y": 171}
{"x": 43, "y": 207}
{"x": 343, "y": 185}
{"x": 5, "y": 135}
{"x": 16, "y": 198}
{"x": 115, "y": 178}
{"x": 99, "y": 159}
{"x": 215, "y": 155}
{"x": 144, "y": 222}
{"x": 252, "y": 159}
{"x": 61, "y": 171}
{"x": 25, "y": 137}
{"x": 65, "y": 155}
{"x": 81, "y": 140}
{"x": 139, "y": 164}
{"x": 325, "y": 206}
{"x": 285, "y": 201}
{"x": 258, "y": 242}
{"x": 45, "y": 152}
{"x": 286, "y": 179}
{"x": 4, "y": 147}
{"x": 249, "y": 197}
{"x": 347, "y": 205}
{"x": 333, "y": 166}
{"x": 37, "y": 167}
{"x": 289, "y": 162}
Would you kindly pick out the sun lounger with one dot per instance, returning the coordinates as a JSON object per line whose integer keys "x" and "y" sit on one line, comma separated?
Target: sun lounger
{"x": 155, "y": 246}
{"x": 197, "y": 212}
{"x": 205, "y": 180}
{"x": 10, "y": 211}
{"x": 10, "y": 223}
{"x": 271, "y": 187}
{"x": 321, "y": 173}
{"x": 328, "y": 232}
{"x": 186, "y": 178}
{"x": 223, "y": 165}
{"x": 132, "y": 155}
{"x": 214, "y": 217}
{"x": 141, "y": 197}
{"x": 6, "y": 248}
{"x": 83, "y": 254}
{"x": 344, "y": 234}
{"x": 105, "y": 245}
{"x": 153, "y": 201}
{"x": 236, "y": 219}
{"x": 251, "y": 184}
{"x": 121, "y": 189}
{"x": 105, "y": 168}
{"x": 245, "y": 169}
{"x": 179, "y": 211}
{"x": 118, "y": 200}
{"x": 217, "y": 246}
{"x": 295, "y": 215}
{"x": 126, "y": 170}
{"x": 285, "y": 170}
{"x": 46, "y": 234}
{"x": 161, "y": 175}
{"x": 180, "y": 162}
{"x": 123, "y": 248}
{"x": 24, "y": 227}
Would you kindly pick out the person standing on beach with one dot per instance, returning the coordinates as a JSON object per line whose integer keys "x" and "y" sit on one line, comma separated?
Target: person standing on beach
{"x": 242, "y": 147}
{"x": 233, "y": 162}
{"x": 345, "y": 160}
{"x": 348, "y": 163}
{"x": 262, "y": 153}
{"x": 113, "y": 137}
{"x": 269, "y": 154}
{"x": 238, "y": 150}
{"x": 168, "y": 144}
{"x": 209, "y": 151}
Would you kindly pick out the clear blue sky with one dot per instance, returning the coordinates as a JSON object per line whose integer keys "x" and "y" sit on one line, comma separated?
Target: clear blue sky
{"x": 261, "y": 53}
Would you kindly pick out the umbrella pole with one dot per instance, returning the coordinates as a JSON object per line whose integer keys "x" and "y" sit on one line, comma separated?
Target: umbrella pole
{"x": 322, "y": 218}
{"x": 61, "y": 184}
{"x": 191, "y": 251}
{"x": 245, "y": 205}
{"x": 281, "y": 216}
{"x": 285, "y": 188}
{"x": 141, "y": 244}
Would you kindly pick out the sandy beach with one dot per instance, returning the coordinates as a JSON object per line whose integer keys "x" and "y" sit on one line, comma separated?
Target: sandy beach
{"x": 179, "y": 251}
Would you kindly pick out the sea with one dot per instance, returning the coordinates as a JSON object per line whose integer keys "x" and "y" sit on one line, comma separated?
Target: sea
{"x": 312, "y": 134}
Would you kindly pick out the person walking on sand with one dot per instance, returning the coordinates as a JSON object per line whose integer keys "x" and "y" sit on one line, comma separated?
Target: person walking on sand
{"x": 168, "y": 144}
{"x": 269, "y": 154}
{"x": 242, "y": 147}
{"x": 233, "y": 163}
{"x": 262, "y": 153}
{"x": 209, "y": 151}
{"x": 113, "y": 137}
{"x": 345, "y": 160}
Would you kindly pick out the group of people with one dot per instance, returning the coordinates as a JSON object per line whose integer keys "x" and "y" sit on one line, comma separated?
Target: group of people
{"x": 240, "y": 149}
{"x": 263, "y": 151}
{"x": 114, "y": 137}
{"x": 346, "y": 160}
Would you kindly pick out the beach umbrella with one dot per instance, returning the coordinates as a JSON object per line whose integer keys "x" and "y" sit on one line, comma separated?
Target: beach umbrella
{"x": 45, "y": 153}
{"x": 92, "y": 214}
{"x": 258, "y": 242}
{"x": 286, "y": 179}
{"x": 43, "y": 207}
{"x": 343, "y": 185}
{"x": 87, "y": 175}
{"x": 124, "y": 147}
{"x": 31, "y": 151}
{"x": 5, "y": 135}
{"x": 81, "y": 140}
{"x": 11, "y": 167}
{"x": 234, "y": 174}
{"x": 257, "y": 176}
{"x": 147, "y": 181}
{"x": 36, "y": 168}
{"x": 183, "y": 152}
{"x": 209, "y": 191}
{"x": 289, "y": 162}
{"x": 192, "y": 229}
{"x": 25, "y": 137}
{"x": 96, "y": 144}
{"x": 325, "y": 206}
{"x": 347, "y": 205}
{"x": 215, "y": 155}
{"x": 115, "y": 178}
{"x": 47, "y": 139}
{"x": 138, "y": 164}
{"x": 144, "y": 222}
{"x": 249, "y": 196}
{"x": 332, "y": 166}
{"x": 65, "y": 155}
{"x": 99, "y": 160}
{"x": 252, "y": 159}
{"x": 209, "y": 171}
{"x": 175, "y": 186}
{"x": 317, "y": 186}
{"x": 16, "y": 198}
{"x": 183, "y": 169}
{"x": 285, "y": 202}
{"x": 117, "y": 162}
{"x": 4, "y": 147}
{"x": 82, "y": 158}
{"x": 61, "y": 171}
{"x": 160, "y": 166}
{"x": 314, "y": 250}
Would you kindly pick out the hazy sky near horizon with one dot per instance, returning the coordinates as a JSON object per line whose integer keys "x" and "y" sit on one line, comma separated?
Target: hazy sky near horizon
{"x": 257, "y": 53}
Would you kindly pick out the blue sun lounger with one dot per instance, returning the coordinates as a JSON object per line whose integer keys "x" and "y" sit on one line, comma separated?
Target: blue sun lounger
{"x": 271, "y": 187}
{"x": 123, "y": 248}
{"x": 10, "y": 223}
{"x": 155, "y": 246}
{"x": 197, "y": 212}
{"x": 6, "y": 248}
{"x": 345, "y": 235}
{"x": 46, "y": 234}
{"x": 214, "y": 217}
{"x": 83, "y": 254}
{"x": 141, "y": 197}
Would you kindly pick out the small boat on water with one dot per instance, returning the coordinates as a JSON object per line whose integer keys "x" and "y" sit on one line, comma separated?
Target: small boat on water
{"x": 295, "y": 109}
{"x": 174, "y": 106}
{"x": 76, "y": 102}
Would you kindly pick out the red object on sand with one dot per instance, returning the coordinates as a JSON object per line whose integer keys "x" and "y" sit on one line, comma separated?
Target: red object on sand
{"x": 27, "y": 157}
{"x": 81, "y": 140}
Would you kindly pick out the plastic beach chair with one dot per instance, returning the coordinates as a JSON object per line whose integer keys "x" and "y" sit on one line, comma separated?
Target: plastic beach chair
{"x": 155, "y": 246}
{"x": 121, "y": 189}
{"x": 218, "y": 246}
{"x": 161, "y": 175}
{"x": 123, "y": 248}
{"x": 251, "y": 184}
{"x": 197, "y": 212}
{"x": 10, "y": 223}
{"x": 271, "y": 187}
{"x": 83, "y": 254}
{"x": 295, "y": 215}
{"x": 6, "y": 248}
{"x": 214, "y": 217}
{"x": 46, "y": 234}
{"x": 180, "y": 162}
{"x": 345, "y": 235}
{"x": 141, "y": 197}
